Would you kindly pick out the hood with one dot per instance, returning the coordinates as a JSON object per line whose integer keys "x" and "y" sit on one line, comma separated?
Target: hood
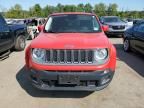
{"x": 70, "y": 41}
{"x": 17, "y": 26}
{"x": 116, "y": 23}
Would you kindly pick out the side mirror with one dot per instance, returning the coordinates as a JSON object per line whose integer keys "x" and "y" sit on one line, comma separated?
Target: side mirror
{"x": 105, "y": 28}
{"x": 40, "y": 28}
{"x": 102, "y": 22}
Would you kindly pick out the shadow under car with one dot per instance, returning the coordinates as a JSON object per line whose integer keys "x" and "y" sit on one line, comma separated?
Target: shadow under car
{"x": 22, "y": 78}
{"x": 134, "y": 60}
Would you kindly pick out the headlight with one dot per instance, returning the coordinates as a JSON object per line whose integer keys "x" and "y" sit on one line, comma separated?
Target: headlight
{"x": 38, "y": 55}
{"x": 127, "y": 26}
{"x": 110, "y": 26}
{"x": 101, "y": 54}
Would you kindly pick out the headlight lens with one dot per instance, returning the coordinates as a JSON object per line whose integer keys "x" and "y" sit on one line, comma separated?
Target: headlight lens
{"x": 110, "y": 26}
{"x": 38, "y": 55}
{"x": 101, "y": 54}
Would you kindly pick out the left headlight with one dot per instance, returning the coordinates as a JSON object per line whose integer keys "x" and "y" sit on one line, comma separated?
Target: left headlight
{"x": 101, "y": 54}
{"x": 110, "y": 26}
{"x": 38, "y": 55}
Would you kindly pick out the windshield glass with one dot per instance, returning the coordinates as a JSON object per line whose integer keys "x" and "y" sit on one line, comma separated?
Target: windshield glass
{"x": 112, "y": 19}
{"x": 32, "y": 23}
{"x": 72, "y": 23}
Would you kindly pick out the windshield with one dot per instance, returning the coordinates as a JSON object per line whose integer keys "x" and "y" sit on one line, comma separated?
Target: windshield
{"x": 32, "y": 23}
{"x": 112, "y": 19}
{"x": 72, "y": 23}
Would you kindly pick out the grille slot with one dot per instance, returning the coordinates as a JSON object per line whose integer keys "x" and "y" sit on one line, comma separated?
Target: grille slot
{"x": 70, "y": 56}
{"x": 55, "y": 55}
{"x": 76, "y": 54}
{"x": 90, "y": 56}
{"x": 48, "y": 56}
{"x": 83, "y": 56}
{"x": 62, "y": 56}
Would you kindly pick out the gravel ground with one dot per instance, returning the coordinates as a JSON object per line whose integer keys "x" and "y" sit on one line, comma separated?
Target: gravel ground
{"x": 125, "y": 91}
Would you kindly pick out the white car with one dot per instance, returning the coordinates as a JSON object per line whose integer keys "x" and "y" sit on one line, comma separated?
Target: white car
{"x": 116, "y": 25}
{"x": 32, "y": 26}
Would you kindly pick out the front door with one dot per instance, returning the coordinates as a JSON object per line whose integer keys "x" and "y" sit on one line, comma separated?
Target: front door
{"x": 139, "y": 38}
{"x": 5, "y": 36}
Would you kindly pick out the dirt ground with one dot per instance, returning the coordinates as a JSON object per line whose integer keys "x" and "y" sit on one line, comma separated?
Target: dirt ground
{"x": 125, "y": 91}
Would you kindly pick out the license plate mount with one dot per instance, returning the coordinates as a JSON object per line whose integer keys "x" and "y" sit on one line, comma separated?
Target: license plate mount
{"x": 68, "y": 79}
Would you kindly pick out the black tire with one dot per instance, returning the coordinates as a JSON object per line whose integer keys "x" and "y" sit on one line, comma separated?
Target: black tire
{"x": 34, "y": 35}
{"x": 20, "y": 43}
{"x": 126, "y": 45}
{"x": 30, "y": 37}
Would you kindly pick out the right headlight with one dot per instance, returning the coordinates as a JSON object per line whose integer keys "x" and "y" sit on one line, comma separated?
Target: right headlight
{"x": 101, "y": 54}
{"x": 38, "y": 55}
{"x": 110, "y": 26}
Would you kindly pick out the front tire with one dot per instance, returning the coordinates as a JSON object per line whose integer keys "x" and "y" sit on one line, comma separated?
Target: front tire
{"x": 32, "y": 37}
{"x": 126, "y": 45}
{"x": 20, "y": 43}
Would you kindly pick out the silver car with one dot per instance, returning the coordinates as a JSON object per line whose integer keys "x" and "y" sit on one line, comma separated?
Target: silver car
{"x": 116, "y": 25}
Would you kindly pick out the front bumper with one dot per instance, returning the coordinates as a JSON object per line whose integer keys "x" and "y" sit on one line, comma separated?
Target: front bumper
{"x": 115, "y": 32}
{"x": 88, "y": 81}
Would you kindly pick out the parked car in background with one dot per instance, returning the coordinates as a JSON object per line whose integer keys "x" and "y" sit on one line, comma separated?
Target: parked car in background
{"x": 32, "y": 26}
{"x": 15, "y": 21}
{"x": 71, "y": 53}
{"x": 134, "y": 38}
{"x": 11, "y": 36}
{"x": 9, "y": 20}
{"x": 137, "y": 21}
{"x": 116, "y": 25}
{"x": 129, "y": 21}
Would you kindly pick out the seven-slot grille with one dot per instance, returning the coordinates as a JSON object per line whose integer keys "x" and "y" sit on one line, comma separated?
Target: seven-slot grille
{"x": 70, "y": 56}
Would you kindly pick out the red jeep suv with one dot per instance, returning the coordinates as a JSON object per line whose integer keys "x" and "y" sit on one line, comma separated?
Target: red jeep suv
{"x": 71, "y": 53}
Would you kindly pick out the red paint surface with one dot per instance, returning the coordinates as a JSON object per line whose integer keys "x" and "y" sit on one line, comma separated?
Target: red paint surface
{"x": 78, "y": 41}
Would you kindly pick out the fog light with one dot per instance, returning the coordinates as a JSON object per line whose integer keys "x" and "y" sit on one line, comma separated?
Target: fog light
{"x": 105, "y": 80}
{"x": 106, "y": 71}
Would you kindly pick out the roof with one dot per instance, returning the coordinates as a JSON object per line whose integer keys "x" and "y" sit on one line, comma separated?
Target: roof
{"x": 109, "y": 16}
{"x": 76, "y": 13}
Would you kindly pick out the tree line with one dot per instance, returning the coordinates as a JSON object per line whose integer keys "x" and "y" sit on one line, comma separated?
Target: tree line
{"x": 100, "y": 9}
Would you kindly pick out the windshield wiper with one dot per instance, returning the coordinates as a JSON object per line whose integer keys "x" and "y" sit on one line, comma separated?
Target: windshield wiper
{"x": 51, "y": 31}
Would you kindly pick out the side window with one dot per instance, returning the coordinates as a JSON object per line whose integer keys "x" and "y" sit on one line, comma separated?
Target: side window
{"x": 3, "y": 25}
{"x": 2, "y": 21}
{"x": 95, "y": 24}
{"x": 141, "y": 28}
{"x": 101, "y": 20}
{"x": 40, "y": 22}
{"x": 136, "y": 28}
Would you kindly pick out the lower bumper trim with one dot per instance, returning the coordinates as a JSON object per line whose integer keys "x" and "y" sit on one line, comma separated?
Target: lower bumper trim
{"x": 88, "y": 81}
{"x": 115, "y": 33}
